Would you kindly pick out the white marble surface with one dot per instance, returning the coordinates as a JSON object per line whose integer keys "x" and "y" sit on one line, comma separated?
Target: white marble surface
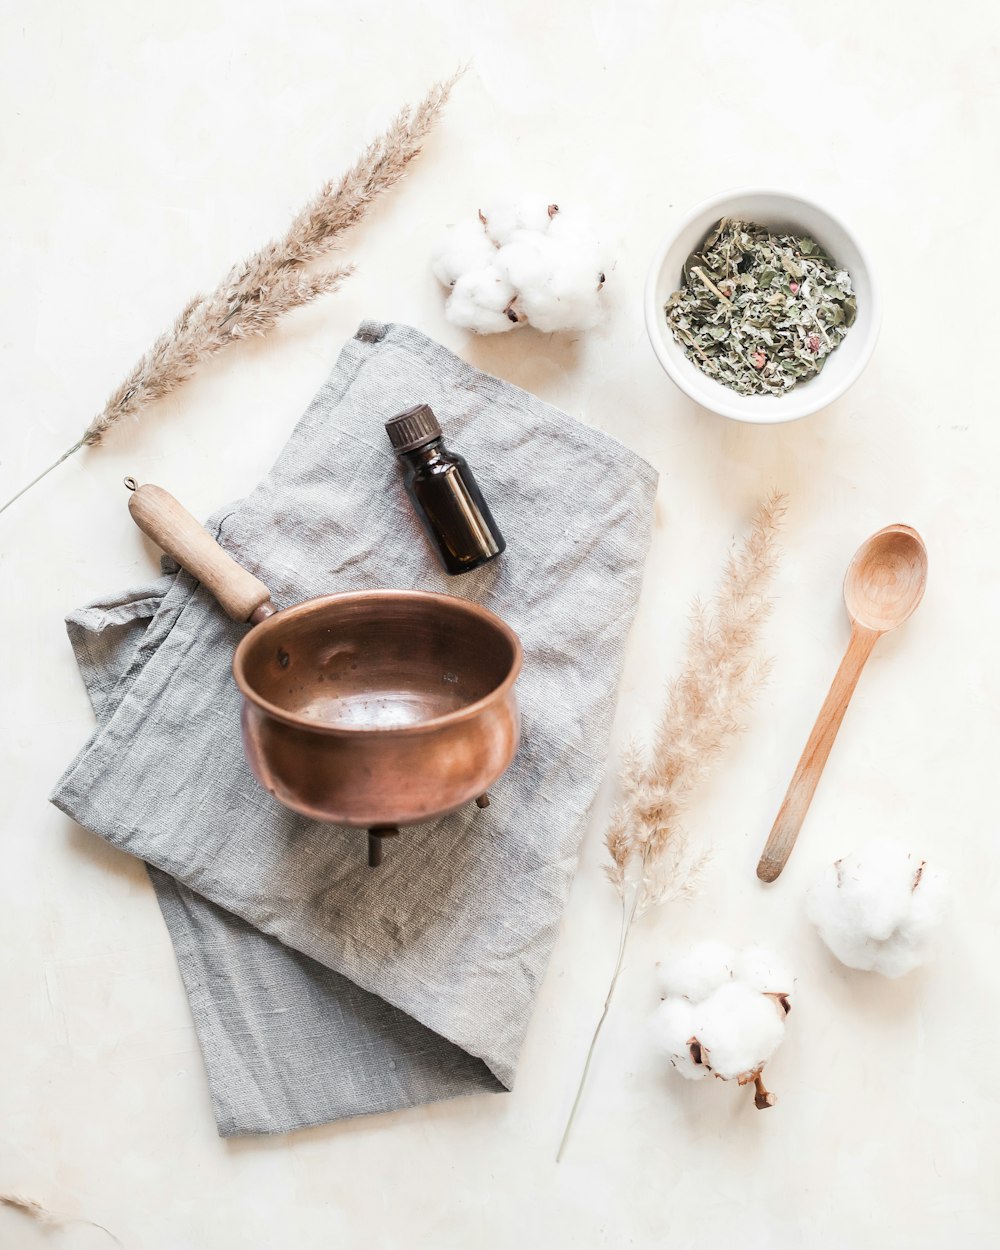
{"x": 145, "y": 147}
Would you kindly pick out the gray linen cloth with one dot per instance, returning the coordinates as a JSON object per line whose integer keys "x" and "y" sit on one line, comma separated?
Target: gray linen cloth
{"x": 321, "y": 988}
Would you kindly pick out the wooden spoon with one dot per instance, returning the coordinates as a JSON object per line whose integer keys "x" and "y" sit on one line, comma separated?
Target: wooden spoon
{"x": 884, "y": 584}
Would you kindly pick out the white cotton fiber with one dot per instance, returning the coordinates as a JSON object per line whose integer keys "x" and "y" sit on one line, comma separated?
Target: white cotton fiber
{"x": 462, "y": 248}
{"x": 739, "y": 1029}
{"x": 558, "y": 287}
{"x": 528, "y": 260}
{"x": 763, "y": 970}
{"x": 479, "y": 301}
{"x": 552, "y": 262}
{"x": 575, "y": 231}
{"x": 723, "y": 1011}
{"x": 879, "y": 908}
{"x": 673, "y": 1027}
{"x": 505, "y": 215}
{"x": 696, "y": 972}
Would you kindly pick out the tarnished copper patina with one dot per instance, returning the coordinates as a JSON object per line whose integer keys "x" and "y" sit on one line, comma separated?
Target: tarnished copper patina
{"x": 381, "y": 708}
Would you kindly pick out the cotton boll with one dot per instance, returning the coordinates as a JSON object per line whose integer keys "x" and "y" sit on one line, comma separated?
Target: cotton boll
{"x": 739, "y": 1029}
{"x": 554, "y": 262}
{"x": 693, "y": 974}
{"x": 879, "y": 908}
{"x": 502, "y": 217}
{"x": 479, "y": 302}
{"x": 723, "y": 1013}
{"x": 673, "y": 1026}
{"x": 763, "y": 971}
{"x": 462, "y": 248}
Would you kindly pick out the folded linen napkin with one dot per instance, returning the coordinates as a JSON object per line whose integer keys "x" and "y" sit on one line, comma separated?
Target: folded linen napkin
{"x": 321, "y": 988}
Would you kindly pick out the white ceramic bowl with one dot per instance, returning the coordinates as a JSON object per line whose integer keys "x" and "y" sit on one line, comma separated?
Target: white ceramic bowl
{"x": 786, "y": 212}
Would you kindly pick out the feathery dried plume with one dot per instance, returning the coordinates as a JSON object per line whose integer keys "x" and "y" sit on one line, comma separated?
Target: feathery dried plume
{"x": 705, "y": 706}
{"x": 650, "y": 854}
{"x": 257, "y": 292}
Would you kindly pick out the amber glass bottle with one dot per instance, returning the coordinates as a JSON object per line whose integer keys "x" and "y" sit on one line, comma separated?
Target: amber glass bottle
{"x": 445, "y": 495}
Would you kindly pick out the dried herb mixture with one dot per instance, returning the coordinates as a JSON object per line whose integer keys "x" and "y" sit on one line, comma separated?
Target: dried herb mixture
{"x": 758, "y": 311}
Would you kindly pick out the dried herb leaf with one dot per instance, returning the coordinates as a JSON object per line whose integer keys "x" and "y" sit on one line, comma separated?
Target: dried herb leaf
{"x": 760, "y": 312}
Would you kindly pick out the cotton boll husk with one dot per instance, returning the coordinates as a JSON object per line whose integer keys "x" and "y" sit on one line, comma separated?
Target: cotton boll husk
{"x": 695, "y": 973}
{"x": 874, "y": 912}
{"x": 763, "y": 971}
{"x": 478, "y": 302}
{"x": 462, "y": 248}
{"x": 739, "y": 1029}
{"x": 503, "y": 217}
{"x": 672, "y": 1027}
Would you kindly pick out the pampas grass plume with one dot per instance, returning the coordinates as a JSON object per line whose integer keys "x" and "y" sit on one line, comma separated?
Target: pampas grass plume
{"x": 259, "y": 291}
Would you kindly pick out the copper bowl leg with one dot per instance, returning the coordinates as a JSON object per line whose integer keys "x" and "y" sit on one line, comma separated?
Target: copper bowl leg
{"x": 375, "y": 836}
{"x": 378, "y": 832}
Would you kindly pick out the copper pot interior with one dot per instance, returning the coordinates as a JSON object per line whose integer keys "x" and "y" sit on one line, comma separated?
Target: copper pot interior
{"x": 378, "y": 660}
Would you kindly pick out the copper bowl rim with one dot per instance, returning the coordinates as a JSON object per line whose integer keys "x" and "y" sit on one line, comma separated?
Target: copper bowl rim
{"x": 275, "y": 623}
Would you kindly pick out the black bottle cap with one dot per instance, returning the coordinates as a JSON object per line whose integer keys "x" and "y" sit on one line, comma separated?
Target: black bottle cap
{"x": 413, "y": 428}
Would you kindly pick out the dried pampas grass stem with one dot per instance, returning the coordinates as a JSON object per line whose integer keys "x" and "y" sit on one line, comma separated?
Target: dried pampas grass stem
{"x": 258, "y": 292}
{"x": 650, "y": 856}
{"x": 41, "y": 1215}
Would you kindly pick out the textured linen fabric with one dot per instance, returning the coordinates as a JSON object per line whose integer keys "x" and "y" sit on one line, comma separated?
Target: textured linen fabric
{"x": 321, "y": 988}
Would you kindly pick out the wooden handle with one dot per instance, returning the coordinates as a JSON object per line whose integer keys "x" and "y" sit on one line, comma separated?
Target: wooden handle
{"x": 803, "y": 784}
{"x": 158, "y": 514}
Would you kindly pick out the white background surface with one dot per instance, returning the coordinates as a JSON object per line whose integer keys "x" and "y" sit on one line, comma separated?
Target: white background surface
{"x": 145, "y": 147}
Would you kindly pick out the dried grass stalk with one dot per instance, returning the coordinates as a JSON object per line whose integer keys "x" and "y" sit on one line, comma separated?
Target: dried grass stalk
{"x": 35, "y": 1211}
{"x": 651, "y": 859}
{"x": 258, "y": 292}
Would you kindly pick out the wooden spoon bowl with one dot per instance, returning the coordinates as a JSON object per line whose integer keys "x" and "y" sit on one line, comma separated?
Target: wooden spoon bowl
{"x": 886, "y": 579}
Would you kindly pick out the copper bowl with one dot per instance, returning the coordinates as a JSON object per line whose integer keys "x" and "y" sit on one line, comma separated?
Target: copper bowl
{"x": 376, "y": 709}
{"x": 381, "y": 708}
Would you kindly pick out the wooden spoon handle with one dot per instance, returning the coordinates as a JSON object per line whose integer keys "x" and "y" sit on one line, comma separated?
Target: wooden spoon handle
{"x": 803, "y": 784}
{"x": 174, "y": 529}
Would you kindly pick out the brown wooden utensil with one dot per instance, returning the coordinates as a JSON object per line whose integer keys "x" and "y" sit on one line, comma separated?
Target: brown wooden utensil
{"x": 884, "y": 584}
{"x": 377, "y": 708}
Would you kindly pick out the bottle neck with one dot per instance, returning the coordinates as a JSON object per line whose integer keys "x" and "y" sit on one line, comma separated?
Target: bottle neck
{"x": 426, "y": 454}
